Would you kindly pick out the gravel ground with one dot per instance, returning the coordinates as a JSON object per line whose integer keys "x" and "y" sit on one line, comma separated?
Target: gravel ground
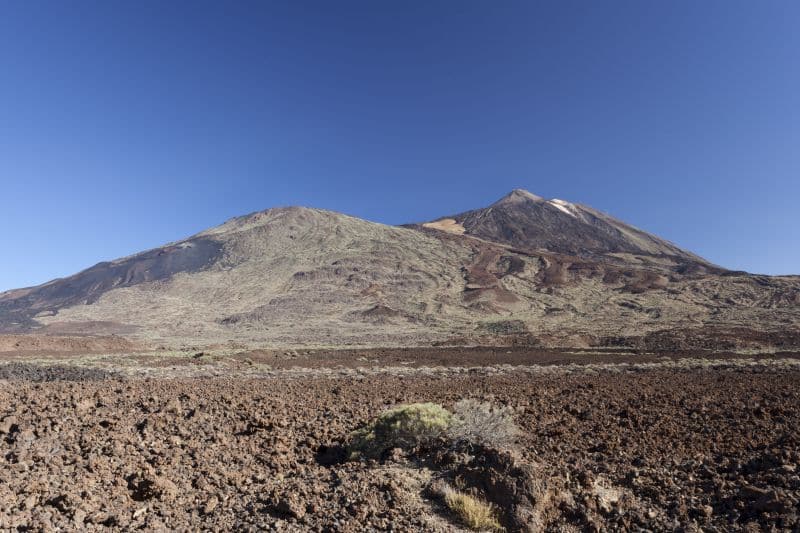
{"x": 713, "y": 448}
{"x": 31, "y": 372}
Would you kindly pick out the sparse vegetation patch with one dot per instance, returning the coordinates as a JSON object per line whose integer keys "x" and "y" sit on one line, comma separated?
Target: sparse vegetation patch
{"x": 409, "y": 426}
{"x": 483, "y": 423}
{"x": 405, "y": 426}
{"x": 473, "y": 512}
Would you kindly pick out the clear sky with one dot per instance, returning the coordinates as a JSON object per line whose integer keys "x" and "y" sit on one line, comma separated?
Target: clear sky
{"x": 125, "y": 125}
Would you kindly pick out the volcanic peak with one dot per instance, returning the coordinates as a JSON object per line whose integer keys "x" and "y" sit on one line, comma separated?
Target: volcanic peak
{"x": 518, "y": 196}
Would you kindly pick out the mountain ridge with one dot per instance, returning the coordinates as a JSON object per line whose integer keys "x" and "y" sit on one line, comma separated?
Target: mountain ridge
{"x": 523, "y": 269}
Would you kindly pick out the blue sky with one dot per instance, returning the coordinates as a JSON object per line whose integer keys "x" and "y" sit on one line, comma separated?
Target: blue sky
{"x": 124, "y": 125}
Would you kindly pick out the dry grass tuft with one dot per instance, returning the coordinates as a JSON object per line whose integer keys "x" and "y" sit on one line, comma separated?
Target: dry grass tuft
{"x": 473, "y": 512}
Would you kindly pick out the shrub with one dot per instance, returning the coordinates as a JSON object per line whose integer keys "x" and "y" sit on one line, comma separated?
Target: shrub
{"x": 476, "y": 514}
{"x": 484, "y": 424}
{"x": 406, "y": 426}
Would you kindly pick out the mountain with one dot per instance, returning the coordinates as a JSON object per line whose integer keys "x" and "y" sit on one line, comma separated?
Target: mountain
{"x": 530, "y": 223}
{"x": 523, "y": 270}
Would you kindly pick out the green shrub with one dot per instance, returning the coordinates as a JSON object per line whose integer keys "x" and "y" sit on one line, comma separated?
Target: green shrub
{"x": 405, "y": 426}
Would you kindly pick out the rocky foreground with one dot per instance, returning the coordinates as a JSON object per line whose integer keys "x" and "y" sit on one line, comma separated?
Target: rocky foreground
{"x": 713, "y": 447}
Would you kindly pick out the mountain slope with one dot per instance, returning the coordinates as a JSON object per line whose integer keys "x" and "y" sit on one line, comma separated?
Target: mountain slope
{"x": 18, "y": 308}
{"x": 299, "y": 276}
{"x": 271, "y": 274}
{"x": 528, "y": 222}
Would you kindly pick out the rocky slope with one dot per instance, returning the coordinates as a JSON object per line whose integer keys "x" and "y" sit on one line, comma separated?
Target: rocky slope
{"x": 524, "y": 270}
{"x": 531, "y": 223}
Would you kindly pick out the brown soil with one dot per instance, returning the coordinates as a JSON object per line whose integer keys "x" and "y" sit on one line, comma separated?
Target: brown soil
{"x": 37, "y": 344}
{"x": 476, "y": 356}
{"x": 657, "y": 449}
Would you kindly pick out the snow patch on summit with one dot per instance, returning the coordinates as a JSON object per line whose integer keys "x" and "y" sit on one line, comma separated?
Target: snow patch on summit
{"x": 564, "y": 206}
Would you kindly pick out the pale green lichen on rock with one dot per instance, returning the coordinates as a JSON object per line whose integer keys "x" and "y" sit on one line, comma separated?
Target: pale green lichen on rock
{"x": 405, "y": 426}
